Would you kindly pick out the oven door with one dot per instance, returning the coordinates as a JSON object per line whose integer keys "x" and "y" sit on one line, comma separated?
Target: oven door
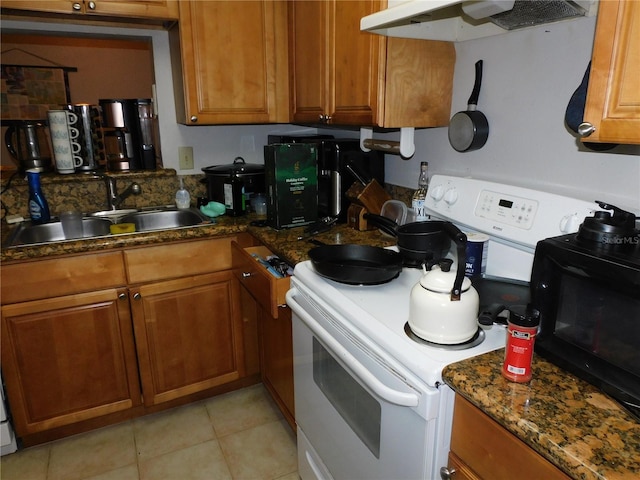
{"x": 358, "y": 416}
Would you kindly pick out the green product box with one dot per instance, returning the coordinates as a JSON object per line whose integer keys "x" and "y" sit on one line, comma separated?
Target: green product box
{"x": 291, "y": 178}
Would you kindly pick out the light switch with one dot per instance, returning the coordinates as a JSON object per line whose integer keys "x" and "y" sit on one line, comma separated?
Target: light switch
{"x": 185, "y": 158}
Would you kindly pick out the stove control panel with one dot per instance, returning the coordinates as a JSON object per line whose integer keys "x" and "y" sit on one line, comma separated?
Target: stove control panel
{"x": 513, "y": 214}
{"x": 516, "y": 211}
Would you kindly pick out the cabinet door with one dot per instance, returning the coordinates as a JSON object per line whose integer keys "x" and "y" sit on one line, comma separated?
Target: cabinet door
{"x": 308, "y": 56}
{"x": 276, "y": 355}
{"x": 355, "y": 66}
{"x": 161, "y": 9}
{"x": 613, "y": 96}
{"x": 68, "y": 359}
{"x": 188, "y": 335}
{"x": 234, "y": 66}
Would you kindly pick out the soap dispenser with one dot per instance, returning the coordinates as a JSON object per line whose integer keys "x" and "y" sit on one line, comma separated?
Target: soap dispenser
{"x": 38, "y": 206}
{"x": 183, "y": 199}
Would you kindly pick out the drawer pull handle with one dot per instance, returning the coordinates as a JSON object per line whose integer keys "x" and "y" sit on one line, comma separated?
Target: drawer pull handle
{"x": 246, "y": 274}
{"x": 137, "y": 296}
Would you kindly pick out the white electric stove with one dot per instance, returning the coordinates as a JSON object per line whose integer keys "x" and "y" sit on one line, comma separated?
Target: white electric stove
{"x": 370, "y": 400}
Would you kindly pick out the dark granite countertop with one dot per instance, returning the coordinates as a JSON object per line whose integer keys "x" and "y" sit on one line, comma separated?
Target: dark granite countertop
{"x": 283, "y": 243}
{"x": 568, "y": 421}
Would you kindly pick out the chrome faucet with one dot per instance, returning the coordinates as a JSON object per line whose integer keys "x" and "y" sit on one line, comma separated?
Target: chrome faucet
{"x": 113, "y": 199}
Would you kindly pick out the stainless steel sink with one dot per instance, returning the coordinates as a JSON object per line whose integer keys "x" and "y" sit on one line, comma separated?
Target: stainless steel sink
{"x": 98, "y": 225}
{"x": 165, "y": 219}
{"x": 30, "y": 234}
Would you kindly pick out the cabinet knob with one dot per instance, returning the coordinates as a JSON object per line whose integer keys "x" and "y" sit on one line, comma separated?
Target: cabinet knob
{"x": 585, "y": 129}
{"x": 137, "y": 296}
{"x": 122, "y": 296}
{"x": 77, "y": 6}
{"x": 246, "y": 274}
{"x": 91, "y": 5}
{"x": 193, "y": 118}
{"x": 446, "y": 473}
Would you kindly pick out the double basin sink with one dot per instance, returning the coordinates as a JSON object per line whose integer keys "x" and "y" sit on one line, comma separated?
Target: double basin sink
{"x": 99, "y": 224}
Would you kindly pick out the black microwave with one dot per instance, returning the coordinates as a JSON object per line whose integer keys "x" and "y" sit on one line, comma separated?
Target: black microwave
{"x": 587, "y": 289}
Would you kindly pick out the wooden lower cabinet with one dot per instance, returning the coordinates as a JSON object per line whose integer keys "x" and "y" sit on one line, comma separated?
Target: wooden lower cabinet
{"x": 264, "y": 300}
{"x": 188, "y": 334}
{"x": 276, "y": 355}
{"x": 483, "y": 449}
{"x": 93, "y": 339}
{"x": 69, "y": 359}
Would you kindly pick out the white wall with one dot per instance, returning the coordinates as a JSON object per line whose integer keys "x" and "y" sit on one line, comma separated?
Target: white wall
{"x": 529, "y": 76}
{"x": 528, "y": 79}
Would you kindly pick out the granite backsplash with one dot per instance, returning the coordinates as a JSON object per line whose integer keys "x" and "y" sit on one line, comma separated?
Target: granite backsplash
{"x": 88, "y": 193}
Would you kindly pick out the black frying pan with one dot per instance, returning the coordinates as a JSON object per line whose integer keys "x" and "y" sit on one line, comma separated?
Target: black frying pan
{"x": 356, "y": 264}
{"x": 469, "y": 130}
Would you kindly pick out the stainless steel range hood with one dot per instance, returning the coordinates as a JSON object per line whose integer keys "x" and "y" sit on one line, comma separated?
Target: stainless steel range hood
{"x": 458, "y": 20}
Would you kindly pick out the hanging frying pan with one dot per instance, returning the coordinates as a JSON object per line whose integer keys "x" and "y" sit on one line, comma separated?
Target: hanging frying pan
{"x": 469, "y": 130}
{"x": 356, "y": 264}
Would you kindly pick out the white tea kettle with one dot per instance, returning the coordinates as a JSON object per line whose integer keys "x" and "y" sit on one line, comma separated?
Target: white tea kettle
{"x": 444, "y": 305}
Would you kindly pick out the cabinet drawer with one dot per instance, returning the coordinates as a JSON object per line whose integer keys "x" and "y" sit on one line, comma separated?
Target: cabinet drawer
{"x": 61, "y": 276}
{"x": 162, "y": 262}
{"x": 491, "y": 451}
{"x": 268, "y": 290}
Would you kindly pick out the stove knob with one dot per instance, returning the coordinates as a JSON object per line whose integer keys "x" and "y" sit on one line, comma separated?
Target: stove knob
{"x": 569, "y": 223}
{"x": 437, "y": 192}
{"x": 451, "y": 196}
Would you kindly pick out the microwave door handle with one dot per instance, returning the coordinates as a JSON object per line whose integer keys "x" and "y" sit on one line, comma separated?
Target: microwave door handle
{"x": 349, "y": 361}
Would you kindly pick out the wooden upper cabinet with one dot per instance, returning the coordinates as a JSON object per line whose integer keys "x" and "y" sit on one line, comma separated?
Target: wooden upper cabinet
{"x": 613, "y": 95}
{"x": 344, "y": 76}
{"x": 230, "y": 62}
{"x": 143, "y": 9}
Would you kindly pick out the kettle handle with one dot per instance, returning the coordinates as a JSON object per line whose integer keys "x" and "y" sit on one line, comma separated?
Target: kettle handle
{"x": 460, "y": 239}
{"x": 8, "y": 141}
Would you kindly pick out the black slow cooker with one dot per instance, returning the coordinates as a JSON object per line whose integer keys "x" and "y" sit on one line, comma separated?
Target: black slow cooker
{"x": 250, "y": 176}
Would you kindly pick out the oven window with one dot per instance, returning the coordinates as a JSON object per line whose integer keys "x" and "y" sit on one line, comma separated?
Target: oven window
{"x": 601, "y": 321}
{"x": 356, "y": 406}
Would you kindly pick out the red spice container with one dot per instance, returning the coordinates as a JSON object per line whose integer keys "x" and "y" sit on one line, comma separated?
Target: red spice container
{"x": 522, "y": 329}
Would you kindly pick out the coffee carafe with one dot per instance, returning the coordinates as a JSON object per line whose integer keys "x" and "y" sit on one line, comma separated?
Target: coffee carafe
{"x": 28, "y": 143}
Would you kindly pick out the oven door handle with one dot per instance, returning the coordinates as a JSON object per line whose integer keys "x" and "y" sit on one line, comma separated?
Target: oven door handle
{"x": 365, "y": 376}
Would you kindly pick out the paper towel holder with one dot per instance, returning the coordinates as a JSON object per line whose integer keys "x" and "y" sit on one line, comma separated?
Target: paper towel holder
{"x": 405, "y": 147}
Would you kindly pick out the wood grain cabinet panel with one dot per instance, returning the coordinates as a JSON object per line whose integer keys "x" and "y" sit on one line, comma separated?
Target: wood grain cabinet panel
{"x": 142, "y": 9}
{"x": 264, "y": 300}
{"x": 230, "y": 62}
{"x": 344, "y": 76}
{"x": 613, "y": 95}
{"x": 188, "y": 335}
{"x": 68, "y": 359}
{"x": 483, "y": 449}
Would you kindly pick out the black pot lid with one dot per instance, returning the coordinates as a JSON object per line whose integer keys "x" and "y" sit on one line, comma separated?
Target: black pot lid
{"x": 238, "y": 167}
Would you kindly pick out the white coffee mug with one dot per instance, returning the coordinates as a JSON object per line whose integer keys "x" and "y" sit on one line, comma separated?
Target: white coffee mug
{"x": 64, "y": 140}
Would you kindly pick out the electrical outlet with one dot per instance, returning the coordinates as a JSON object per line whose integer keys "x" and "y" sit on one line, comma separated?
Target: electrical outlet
{"x": 185, "y": 158}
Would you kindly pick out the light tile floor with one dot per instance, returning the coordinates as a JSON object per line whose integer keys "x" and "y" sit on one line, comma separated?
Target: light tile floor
{"x": 239, "y": 435}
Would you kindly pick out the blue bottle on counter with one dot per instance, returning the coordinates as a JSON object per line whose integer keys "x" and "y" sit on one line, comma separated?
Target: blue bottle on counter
{"x": 38, "y": 206}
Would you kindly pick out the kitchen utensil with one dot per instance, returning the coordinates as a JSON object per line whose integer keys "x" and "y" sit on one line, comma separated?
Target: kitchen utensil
{"x": 418, "y": 242}
{"x": 372, "y": 196}
{"x": 27, "y": 142}
{"x": 443, "y": 304}
{"x": 356, "y": 264}
{"x": 469, "y": 130}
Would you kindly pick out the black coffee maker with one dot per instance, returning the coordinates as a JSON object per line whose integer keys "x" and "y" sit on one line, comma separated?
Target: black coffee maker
{"x": 129, "y": 134}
